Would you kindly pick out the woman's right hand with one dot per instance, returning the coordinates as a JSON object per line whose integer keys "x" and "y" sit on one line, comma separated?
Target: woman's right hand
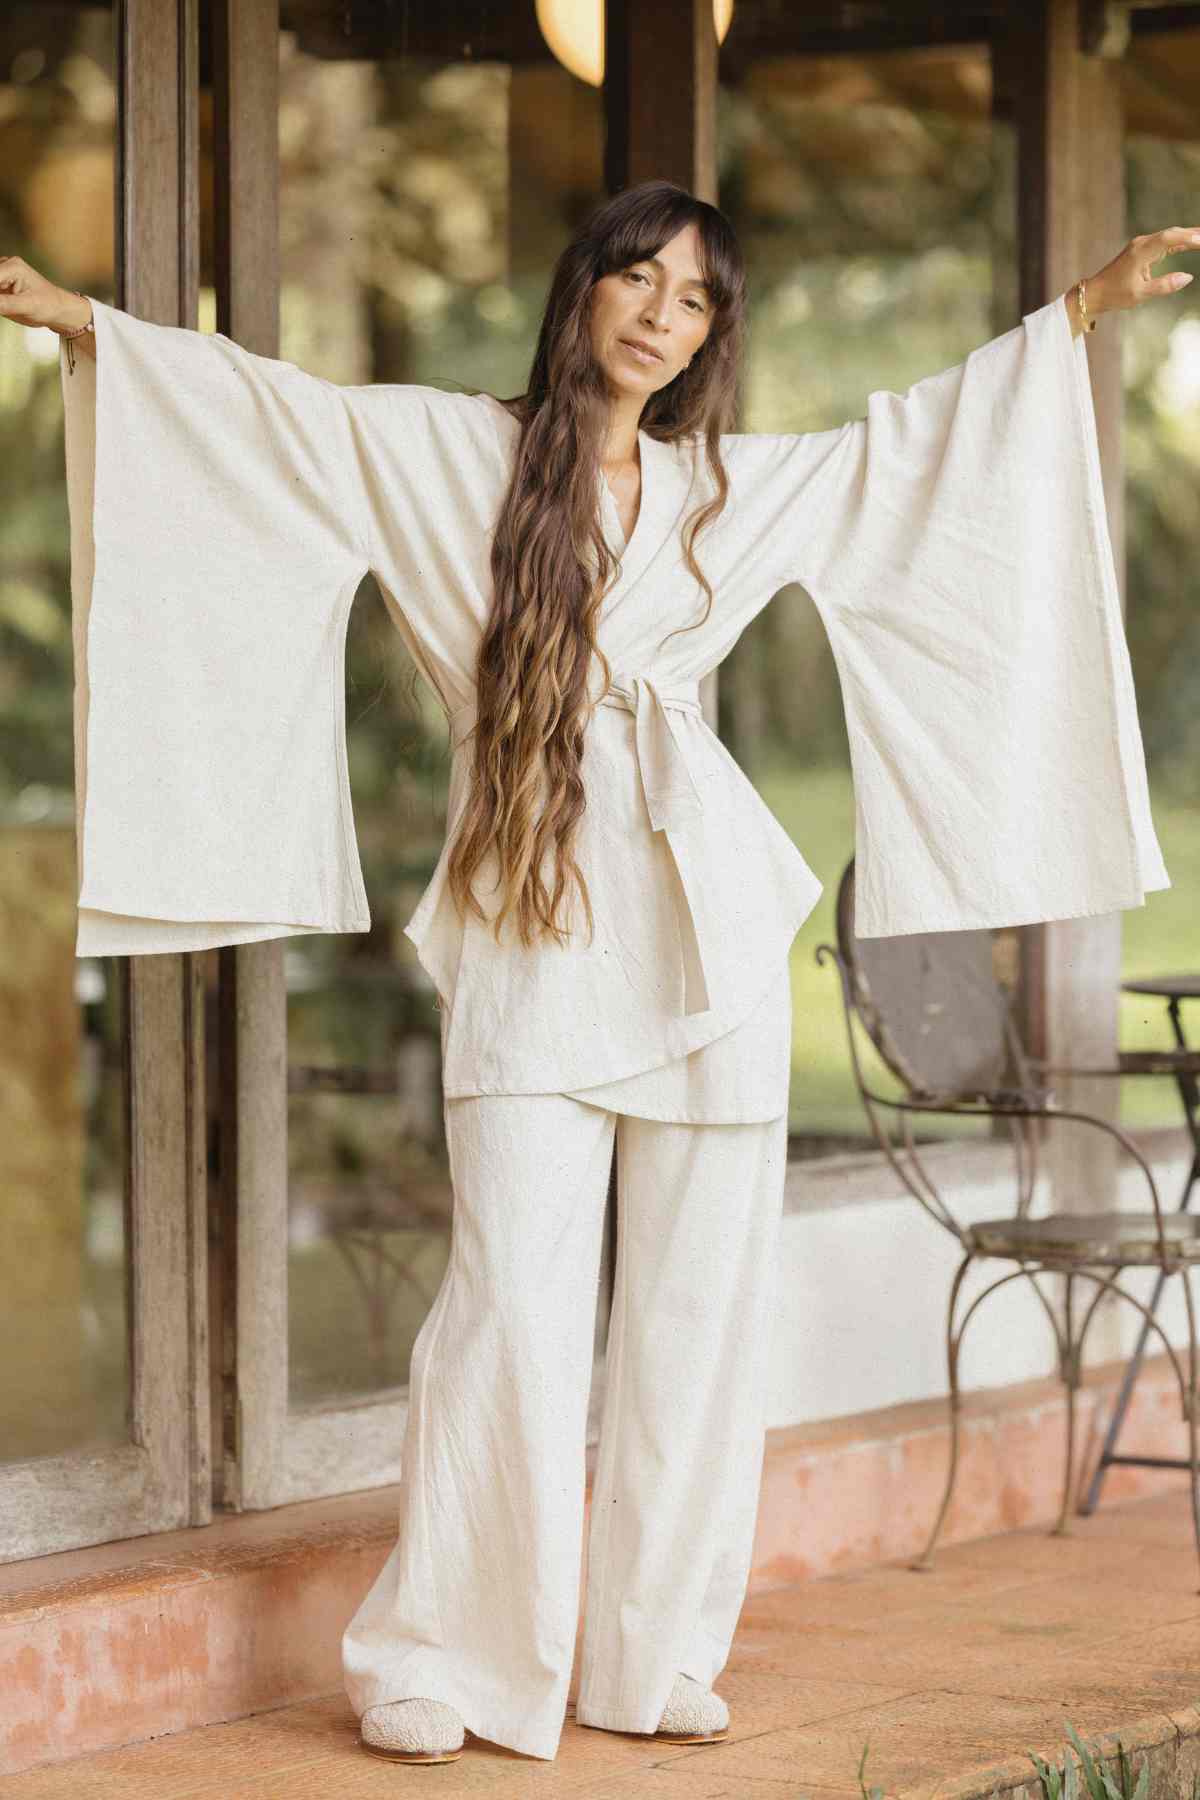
{"x": 27, "y": 298}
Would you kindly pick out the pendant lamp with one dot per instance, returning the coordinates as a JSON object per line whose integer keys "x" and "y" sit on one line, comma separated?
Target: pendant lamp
{"x": 574, "y": 33}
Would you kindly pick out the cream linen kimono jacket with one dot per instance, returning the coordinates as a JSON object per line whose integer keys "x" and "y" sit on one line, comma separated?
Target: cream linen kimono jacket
{"x": 225, "y": 506}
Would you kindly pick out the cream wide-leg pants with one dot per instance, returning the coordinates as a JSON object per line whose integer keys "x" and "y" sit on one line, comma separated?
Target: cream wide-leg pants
{"x": 478, "y": 1602}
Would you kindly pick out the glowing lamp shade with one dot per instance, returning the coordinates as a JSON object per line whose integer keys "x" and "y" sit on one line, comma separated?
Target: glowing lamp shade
{"x": 574, "y": 33}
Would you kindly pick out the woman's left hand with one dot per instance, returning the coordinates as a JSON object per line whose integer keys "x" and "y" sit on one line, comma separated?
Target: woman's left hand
{"x": 1126, "y": 281}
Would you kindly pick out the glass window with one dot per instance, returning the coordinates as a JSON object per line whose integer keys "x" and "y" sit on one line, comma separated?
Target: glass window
{"x": 63, "y": 1152}
{"x": 423, "y": 206}
{"x": 864, "y": 190}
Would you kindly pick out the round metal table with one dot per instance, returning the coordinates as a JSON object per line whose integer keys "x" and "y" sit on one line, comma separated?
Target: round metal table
{"x": 1184, "y": 1064}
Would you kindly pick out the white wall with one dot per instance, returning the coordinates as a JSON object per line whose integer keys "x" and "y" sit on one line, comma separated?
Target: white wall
{"x": 864, "y": 1285}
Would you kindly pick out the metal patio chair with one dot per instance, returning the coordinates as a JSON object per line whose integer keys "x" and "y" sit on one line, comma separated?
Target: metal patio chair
{"x": 936, "y": 1012}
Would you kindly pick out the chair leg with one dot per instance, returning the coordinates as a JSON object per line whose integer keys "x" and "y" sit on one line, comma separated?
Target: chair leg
{"x": 1070, "y": 1376}
{"x": 925, "y": 1560}
{"x": 1191, "y": 1400}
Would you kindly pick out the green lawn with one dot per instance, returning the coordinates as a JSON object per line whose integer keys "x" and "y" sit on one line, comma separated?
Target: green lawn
{"x": 816, "y": 806}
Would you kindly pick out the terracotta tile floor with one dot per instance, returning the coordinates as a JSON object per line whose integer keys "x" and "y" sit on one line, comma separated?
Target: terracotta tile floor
{"x": 950, "y": 1677}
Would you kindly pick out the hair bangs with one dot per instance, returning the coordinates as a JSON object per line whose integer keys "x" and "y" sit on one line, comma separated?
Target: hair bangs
{"x": 662, "y": 210}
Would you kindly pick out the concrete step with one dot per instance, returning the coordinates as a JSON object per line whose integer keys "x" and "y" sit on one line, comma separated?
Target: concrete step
{"x": 948, "y": 1679}
{"x": 130, "y": 1641}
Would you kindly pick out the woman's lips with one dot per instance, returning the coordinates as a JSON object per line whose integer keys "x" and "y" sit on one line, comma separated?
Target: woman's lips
{"x": 643, "y": 356}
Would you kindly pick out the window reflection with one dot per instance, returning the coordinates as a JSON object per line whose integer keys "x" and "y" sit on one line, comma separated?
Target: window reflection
{"x": 870, "y": 194}
{"x": 423, "y": 205}
{"x": 63, "y": 1149}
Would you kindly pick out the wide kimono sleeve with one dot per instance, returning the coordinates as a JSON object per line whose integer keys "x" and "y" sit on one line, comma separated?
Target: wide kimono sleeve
{"x": 217, "y": 540}
{"x": 956, "y": 545}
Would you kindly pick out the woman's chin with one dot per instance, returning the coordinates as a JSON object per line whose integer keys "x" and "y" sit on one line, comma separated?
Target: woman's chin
{"x": 625, "y": 383}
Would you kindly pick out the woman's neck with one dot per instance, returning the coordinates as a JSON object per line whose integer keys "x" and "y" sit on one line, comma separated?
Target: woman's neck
{"x": 620, "y": 445}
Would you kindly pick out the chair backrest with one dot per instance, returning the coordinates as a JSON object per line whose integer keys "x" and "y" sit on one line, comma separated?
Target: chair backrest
{"x": 931, "y": 1004}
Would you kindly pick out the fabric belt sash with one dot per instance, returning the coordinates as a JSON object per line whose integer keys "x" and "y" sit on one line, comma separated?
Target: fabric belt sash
{"x": 672, "y": 797}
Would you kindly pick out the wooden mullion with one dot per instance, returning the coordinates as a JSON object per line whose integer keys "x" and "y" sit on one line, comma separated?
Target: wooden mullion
{"x": 151, "y": 179}
{"x": 250, "y": 1200}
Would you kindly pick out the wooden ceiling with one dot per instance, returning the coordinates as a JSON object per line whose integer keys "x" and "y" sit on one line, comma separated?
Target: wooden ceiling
{"x": 906, "y": 51}
{"x": 486, "y": 30}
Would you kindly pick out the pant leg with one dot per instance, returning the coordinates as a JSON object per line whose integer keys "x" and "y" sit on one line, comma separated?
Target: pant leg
{"x": 679, "y": 1465}
{"x": 478, "y": 1602}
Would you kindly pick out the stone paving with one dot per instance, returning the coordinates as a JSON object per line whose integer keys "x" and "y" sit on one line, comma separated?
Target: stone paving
{"x": 948, "y": 1678}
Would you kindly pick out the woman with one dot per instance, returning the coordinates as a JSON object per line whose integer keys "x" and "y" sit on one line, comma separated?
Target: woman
{"x": 608, "y": 925}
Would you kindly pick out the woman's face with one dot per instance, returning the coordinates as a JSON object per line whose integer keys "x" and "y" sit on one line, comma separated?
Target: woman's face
{"x": 660, "y": 305}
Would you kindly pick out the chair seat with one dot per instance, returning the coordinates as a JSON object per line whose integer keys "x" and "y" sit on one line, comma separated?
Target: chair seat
{"x": 1033, "y": 1098}
{"x": 1111, "y": 1238}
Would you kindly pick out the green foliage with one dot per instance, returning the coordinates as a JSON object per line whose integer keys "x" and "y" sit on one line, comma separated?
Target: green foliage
{"x": 876, "y": 1793}
{"x": 1064, "y": 1784}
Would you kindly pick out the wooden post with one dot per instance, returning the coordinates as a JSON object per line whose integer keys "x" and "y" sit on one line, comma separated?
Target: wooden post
{"x": 660, "y": 91}
{"x": 1070, "y": 135}
{"x": 660, "y": 106}
{"x": 660, "y": 101}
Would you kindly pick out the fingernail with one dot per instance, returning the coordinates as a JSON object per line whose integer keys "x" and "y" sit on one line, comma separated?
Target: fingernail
{"x": 1182, "y": 280}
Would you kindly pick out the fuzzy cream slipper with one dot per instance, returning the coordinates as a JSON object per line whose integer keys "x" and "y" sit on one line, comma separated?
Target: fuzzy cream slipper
{"x": 693, "y": 1714}
{"x": 419, "y": 1731}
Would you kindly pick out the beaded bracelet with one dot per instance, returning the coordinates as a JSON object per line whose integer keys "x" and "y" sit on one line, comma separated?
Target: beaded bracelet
{"x": 66, "y": 336}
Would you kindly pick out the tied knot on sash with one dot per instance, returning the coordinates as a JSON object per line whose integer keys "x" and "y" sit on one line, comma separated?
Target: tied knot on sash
{"x": 672, "y": 796}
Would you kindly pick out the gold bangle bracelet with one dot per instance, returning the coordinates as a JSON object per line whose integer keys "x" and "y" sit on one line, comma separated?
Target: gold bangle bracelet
{"x": 1088, "y": 324}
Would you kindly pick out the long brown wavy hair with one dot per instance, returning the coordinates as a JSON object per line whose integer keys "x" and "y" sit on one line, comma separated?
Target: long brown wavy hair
{"x": 550, "y": 562}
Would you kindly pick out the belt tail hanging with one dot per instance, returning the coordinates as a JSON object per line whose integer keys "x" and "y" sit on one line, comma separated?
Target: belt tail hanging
{"x": 696, "y": 996}
{"x": 672, "y": 798}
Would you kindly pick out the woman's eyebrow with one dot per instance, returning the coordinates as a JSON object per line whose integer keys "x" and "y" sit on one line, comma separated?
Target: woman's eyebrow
{"x": 656, "y": 262}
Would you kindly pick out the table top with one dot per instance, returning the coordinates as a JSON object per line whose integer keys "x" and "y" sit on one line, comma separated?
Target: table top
{"x": 1169, "y": 987}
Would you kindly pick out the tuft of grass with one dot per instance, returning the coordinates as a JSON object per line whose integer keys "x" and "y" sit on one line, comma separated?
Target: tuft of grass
{"x": 876, "y": 1793}
{"x": 1064, "y": 1784}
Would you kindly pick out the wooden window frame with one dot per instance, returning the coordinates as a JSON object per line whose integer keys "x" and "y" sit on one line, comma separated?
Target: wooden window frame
{"x": 268, "y": 1453}
{"x": 160, "y": 1479}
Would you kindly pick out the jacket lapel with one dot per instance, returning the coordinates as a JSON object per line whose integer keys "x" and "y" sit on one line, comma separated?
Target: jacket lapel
{"x": 666, "y": 483}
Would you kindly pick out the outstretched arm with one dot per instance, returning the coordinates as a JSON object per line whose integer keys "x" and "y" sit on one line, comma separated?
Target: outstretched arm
{"x": 955, "y": 544}
{"x": 28, "y": 298}
{"x": 76, "y": 316}
{"x": 1126, "y": 281}
{"x": 224, "y": 508}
